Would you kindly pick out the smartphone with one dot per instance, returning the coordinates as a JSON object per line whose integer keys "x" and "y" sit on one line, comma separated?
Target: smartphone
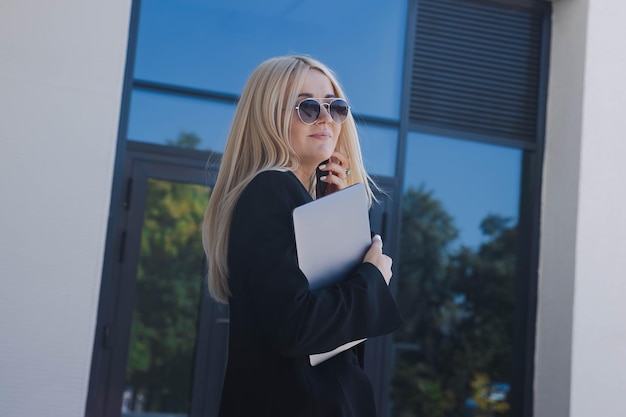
{"x": 320, "y": 188}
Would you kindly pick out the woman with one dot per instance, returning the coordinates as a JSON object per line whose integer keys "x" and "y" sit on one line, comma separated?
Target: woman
{"x": 292, "y": 117}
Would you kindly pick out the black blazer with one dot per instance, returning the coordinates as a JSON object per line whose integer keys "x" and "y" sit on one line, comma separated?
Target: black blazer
{"x": 276, "y": 321}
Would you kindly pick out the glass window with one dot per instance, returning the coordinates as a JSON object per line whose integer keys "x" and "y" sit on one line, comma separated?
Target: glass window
{"x": 378, "y": 146}
{"x": 470, "y": 179}
{"x": 214, "y": 45}
{"x": 160, "y": 363}
{"x": 456, "y": 275}
{"x": 170, "y": 119}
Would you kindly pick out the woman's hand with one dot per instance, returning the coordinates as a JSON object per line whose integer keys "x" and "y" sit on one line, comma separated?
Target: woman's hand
{"x": 376, "y": 257}
{"x": 338, "y": 168}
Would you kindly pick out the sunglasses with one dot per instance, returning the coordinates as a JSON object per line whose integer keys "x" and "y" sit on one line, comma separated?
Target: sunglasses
{"x": 309, "y": 110}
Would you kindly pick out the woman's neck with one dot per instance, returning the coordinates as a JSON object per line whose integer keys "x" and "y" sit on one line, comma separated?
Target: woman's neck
{"x": 304, "y": 175}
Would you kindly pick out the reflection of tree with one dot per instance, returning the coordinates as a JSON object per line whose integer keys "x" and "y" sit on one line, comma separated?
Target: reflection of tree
{"x": 169, "y": 282}
{"x": 458, "y": 307}
{"x": 186, "y": 140}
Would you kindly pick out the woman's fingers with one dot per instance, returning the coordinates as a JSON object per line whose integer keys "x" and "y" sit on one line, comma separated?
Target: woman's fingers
{"x": 376, "y": 257}
{"x": 342, "y": 165}
{"x": 338, "y": 172}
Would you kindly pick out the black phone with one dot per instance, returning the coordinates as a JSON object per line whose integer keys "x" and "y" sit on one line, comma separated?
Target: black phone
{"x": 320, "y": 187}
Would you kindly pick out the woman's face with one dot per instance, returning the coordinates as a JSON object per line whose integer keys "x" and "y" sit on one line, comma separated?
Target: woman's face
{"x": 314, "y": 143}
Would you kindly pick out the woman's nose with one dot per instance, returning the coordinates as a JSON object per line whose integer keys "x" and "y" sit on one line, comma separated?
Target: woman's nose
{"x": 325, "y": 113}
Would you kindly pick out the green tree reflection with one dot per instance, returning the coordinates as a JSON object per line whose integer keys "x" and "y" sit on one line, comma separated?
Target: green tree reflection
{"x": 169, "y": 286}
{"x": 453, "y": 354}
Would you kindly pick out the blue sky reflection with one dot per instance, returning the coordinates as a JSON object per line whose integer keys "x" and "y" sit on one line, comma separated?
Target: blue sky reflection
{"x": 215, "y": 44}
{"x": 470, "y": 179}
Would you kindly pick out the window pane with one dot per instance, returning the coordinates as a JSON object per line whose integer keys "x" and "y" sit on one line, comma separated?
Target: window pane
{"x": 378, "y": 145}
{"x": 456, "y": 274}
{"x": 215, "y": 44}
{"x": 169, "y": 282}
{"x": 169, "y": 119}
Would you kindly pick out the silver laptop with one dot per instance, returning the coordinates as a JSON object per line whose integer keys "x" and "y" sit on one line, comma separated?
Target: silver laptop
{"x": 332, "y": 236}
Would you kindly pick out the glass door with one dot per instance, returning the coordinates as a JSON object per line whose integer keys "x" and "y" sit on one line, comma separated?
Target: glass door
{"x": 160, "y": 362}
{"x": 168, "y": 339}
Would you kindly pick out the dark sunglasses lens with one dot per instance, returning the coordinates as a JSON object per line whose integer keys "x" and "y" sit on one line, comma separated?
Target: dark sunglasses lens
{"x": 339, "y": 110}
{"x": 309, "y": 110}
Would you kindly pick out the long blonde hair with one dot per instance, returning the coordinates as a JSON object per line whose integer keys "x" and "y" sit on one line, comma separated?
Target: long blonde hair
{"x": 259, "y": 141}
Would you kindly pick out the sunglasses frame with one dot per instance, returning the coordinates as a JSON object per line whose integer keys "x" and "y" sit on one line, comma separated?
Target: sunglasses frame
{"x": 321, "y": 104}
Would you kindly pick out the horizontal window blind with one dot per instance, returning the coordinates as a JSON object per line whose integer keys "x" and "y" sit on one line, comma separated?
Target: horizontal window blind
{"x": 475, "y": 68}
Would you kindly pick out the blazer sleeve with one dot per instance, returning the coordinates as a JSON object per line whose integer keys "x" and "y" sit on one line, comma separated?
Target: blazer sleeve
{"x": 295, "y": 320}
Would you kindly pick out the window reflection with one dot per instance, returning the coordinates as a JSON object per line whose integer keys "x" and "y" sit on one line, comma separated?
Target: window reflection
{"x": 378, "y": 145}
{"x": 164, "y": 118}
{"x": 470, "y": 179}
{"x": 169, "y": 282}
{"x": 456, "y": 274}
{"x": 214, "y": 45}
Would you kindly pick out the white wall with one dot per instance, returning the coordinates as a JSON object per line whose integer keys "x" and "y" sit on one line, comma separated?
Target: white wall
{"x": 599, "y": 342}
{"x": 581, "y": 329}
{"x": 61, "y": 73}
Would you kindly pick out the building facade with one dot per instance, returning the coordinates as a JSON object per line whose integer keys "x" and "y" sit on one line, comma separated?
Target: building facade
{"x": 494, "y": 128}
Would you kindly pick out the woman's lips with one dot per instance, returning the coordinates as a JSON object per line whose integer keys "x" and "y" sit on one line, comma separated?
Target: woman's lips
{"x": 321, "y": 135}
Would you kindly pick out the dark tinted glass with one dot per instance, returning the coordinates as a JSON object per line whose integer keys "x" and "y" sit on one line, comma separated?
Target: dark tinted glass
{"x": 456, "y": 274}
{"x": 309, "y": 110}
{"x": 339, "y": 110}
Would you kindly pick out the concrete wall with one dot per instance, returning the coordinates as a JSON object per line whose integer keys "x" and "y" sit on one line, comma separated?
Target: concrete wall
{"x": 61, "y": 73}
{"x": 581, "y": 329}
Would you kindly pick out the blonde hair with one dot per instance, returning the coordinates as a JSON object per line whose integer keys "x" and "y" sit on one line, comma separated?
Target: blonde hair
{"x": 259, "y": 141}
